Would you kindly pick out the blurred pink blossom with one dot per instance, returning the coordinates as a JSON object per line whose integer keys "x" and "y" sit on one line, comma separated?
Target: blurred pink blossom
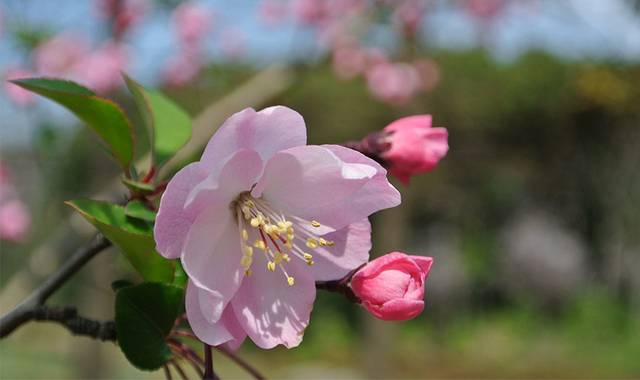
{"x": 192, "y": 22}
{"x": 348, "y": 62}
{"x": 311, "y": 12}
{"x": 272, "y": 12}
{"x": 17, "y": 94}
{"x": 233, "y": 42}
{"x": 101, "y": 69}
{"x": 124, "y": 13}
{"x": 58, "y": 55}
{"x": 181, "y": 69}
{"x": 429, "y": 73}
{"x": 14, "y": 218}
{"x": 485, "y": 9}
{"x": 408, "y": 15}
{"x": 394, "y": 83}
{"x": 14, "y": 221}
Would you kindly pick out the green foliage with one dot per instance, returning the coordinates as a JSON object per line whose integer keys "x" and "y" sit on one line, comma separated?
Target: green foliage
{"x": 145, "y": 314}
{"x": 137, "y": 209}
{"x": 133, "y": 237}
{"x": 137, "y": 186}
{"x": 102, "y": 115}
{"x": 169, "y": 125}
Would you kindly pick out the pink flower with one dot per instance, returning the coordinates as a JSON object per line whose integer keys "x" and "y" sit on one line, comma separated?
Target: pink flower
{"x": 311, "y": 12}
{"x": 17, "y": 94}
{"x": 192, "y": 22}
{"x": 58, "y": 55}
{"x": 14, "y": 221}
{"x": 101, "y": 69}
{"x": 124, "y": 13}
{"x": 409, "y": 15}
{"x": 272, "y": 12}
{"x": 413, "y": 146}
{"x": 260, "y": 218}
{"x": 391, "y": 287}
{"x": 394, "y": 83}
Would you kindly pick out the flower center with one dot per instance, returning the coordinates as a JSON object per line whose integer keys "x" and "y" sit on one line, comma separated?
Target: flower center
{"x": 278, "y": 237}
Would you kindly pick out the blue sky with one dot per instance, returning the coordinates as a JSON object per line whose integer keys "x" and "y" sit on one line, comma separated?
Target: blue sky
{"x": 574, "y": 29}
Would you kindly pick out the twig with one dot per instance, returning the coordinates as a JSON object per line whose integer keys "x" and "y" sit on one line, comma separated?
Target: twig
{"x": 241, "y": 363}
{"x": 25, "y": 311}
{"x": 167, "y": 372}
{"x": 209, "y": 373}
{"x": 76, "y": 324}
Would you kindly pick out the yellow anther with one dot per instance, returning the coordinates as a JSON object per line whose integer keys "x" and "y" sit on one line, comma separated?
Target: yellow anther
{"x": 255, "y": 222}
{"x": 330, "y": 243}
{"x": 315, "y": 223}
{"x": 248, "y": 251}
{"x": 312, "y": 243}
{"x": 246, "y": 261}
{"x": 286, "y": 257}
{"x": 271, "y": 266}
{"x": 278, "y": 258}
{"x": 307, "y": 256}
{"x": 290, "y": 280}
{"x": 246, "y": 212}
{"x": 247, "y": 272}
{"x": 323, "y": 242}
{"x": 260, "y": 244}
{"x": 245, "y": 235}
{"x": 290, "y": 236}
{"x": 290, "y": 230}
{"x": 288, "y": 244}
{"x": 249, "y": 203}
{"x": 310, "y": 262}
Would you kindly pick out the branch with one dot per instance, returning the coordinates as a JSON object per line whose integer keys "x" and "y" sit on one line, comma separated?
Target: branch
{"x": 76, "y": 324}
{"x": 240, "y": 362}
{"x": 27, "y": 309}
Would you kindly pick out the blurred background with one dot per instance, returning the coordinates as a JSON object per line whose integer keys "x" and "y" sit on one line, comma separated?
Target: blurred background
{"x": 533, "y": 218}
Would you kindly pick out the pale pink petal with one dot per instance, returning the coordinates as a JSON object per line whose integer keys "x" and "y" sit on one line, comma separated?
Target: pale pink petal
{"x": 198, "y": 304}
{"x": 271, "y": 311}
{"x": 423, "y": 262}
{"x": 238, "y": 175}
{"x": 267, "y": 132}
{"x": 313, "y": 183}
{"x": 351, "y": 249}
{"x": 172, "y": 222}
{"x": 211, "y": 254}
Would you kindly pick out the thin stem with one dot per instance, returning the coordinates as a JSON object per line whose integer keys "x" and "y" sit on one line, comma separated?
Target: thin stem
{"x": 25, "y": 311}
{"x": 240, "y": 362}
{"x": 167, "y": 372}
{"x": 178, "y": 368}
{"x": 209, "y": 374}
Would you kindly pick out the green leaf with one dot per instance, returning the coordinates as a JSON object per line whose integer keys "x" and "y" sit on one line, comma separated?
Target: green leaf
{"x": 145, "y": 314}
{"x": 119, "y": 284}
{"x": 169, "y": 125}
{"x": 137, "y": 209}
{"x": 102, "y": 115}
{"x": 132, "y": 236}
{"x": 142, "y": 187}
{"x": 180, "y": 276}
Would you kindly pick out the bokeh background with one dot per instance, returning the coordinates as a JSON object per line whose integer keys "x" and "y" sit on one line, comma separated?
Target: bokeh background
{"x": 533, "y": 218}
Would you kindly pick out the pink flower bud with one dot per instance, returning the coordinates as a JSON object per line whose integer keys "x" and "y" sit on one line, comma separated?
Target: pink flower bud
{"x": 14, "y": 221}
{"x": 391, "y": 287}
{"x": 414, "y": 147}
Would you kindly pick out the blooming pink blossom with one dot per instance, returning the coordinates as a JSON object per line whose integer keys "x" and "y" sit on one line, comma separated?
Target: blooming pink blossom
{"x": 485, "y": 9}
{"x": 414, "y": 146}
{"x": 192, "y": 22}
{"x": 17, "y": 94}
{"x": 311, "y": 12}
{"x": 101, "y": 69}
{"x": 59, "y": 55}
{"x": 391, "y": 287}
{"x": 260, "y": 218}
{"x": 394, "y": 83}
{"x": 409, "y": 15}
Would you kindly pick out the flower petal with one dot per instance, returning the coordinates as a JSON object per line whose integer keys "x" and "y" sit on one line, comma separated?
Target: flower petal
{"x": 271, "y": 311}
{"x": 314, "y": 183}
{"x": 397, "y": 309}
{"x": 238, "y": 174}
{"x": 198, "y": 303}
{"x": 172, "y": 222}
{"x": 350, "y": 250}
{"x": 211, "y": 254}
{"x": 267, "y": 132}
